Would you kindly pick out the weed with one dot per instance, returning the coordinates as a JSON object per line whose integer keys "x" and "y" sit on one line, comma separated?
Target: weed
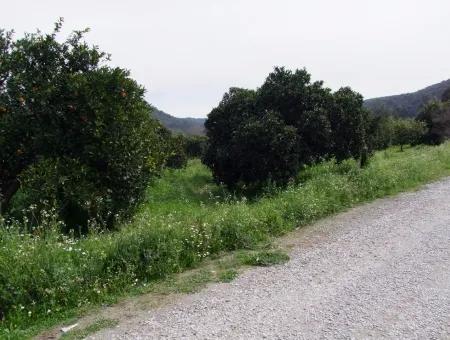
{"x": 228, "y": 275}
{"x": 263, "y": 258}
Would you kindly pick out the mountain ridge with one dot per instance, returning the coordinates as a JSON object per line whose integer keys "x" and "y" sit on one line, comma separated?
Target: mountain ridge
{"x": 188, "y": 125}
{"x": 407, "y": 104}
{"x": 402, "y": 105}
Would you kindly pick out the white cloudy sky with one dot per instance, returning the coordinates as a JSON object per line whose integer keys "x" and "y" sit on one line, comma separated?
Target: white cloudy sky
{"x": 188, "y": 53}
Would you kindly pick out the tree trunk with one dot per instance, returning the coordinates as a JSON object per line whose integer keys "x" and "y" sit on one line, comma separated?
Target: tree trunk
{"x": 7, "y": 192}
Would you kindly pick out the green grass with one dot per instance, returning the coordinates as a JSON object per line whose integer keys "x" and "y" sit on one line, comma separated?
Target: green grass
{"x": 228, "y": 275}
{"x": 263, "y": 258}
{"x": 186, "y": 219}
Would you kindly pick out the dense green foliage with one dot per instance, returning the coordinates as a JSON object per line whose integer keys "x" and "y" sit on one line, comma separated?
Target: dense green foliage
{"x": 349, "y": 124}
{"x": 246, "y": 146}
{"x": 195, "y": 146}
{"x": 186, "y": 218}
{"x": 176, "y": 153}
{"x": 407, "y": 131}
{"x": 409, "y": 104}
{"x": 74, "y": 133}
{"x": 436, "y": 116}
{"x": 266, "y": 135}
{"x": 380, "y": 132}
{"x": 385, "y": 131}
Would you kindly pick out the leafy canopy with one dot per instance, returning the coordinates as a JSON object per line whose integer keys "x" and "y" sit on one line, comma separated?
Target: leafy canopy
{"x": 73, "y": 128}
{"x": 268, "y": 134}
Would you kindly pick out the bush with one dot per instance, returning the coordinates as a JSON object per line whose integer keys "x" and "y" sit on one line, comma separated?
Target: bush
{"x": 75, "y": 132}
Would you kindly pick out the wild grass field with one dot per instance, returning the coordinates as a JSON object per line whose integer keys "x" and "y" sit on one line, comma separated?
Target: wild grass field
{"x": 186, "y": 218}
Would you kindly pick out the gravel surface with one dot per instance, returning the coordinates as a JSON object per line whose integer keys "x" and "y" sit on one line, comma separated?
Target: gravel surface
{"x": 381, "y": 270}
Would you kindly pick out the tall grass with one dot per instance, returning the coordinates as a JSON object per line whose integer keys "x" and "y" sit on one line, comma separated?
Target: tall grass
{"x": 185, "y": 219}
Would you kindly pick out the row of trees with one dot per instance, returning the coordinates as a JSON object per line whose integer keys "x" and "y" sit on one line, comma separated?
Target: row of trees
{"x": 431, "y": 126}
{"x": 268, "y": 134}
{"x": 78, "y": 135}
{"x": 386, "y": 130}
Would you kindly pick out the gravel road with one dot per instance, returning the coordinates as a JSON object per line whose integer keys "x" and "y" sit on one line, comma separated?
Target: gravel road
{"x": 381, "y": 270}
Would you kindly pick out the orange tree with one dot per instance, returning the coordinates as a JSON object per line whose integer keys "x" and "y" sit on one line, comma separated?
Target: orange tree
{"x": 268, "y": 134}
{"x": 73, "y": 131}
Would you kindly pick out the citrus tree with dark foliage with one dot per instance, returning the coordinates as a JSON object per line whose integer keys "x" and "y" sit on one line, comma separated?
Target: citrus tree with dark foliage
{"x": 436, "y": 116}
{"x": 255, "y": 148}
{"x": 269, "y": 134}
{"x": 303, "y": 105}
{"x": 237, "y": 105}
{"x": 349, "y": 124}
{"x": 73, "y": 131}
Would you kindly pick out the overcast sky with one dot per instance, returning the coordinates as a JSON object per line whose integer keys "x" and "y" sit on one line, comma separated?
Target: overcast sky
{"x": 188, "y": 53}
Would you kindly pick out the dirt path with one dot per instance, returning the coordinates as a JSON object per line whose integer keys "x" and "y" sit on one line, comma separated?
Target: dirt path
{"x": 381, "y": 270}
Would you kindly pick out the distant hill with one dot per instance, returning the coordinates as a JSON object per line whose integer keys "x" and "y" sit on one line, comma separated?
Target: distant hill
{"x": 408, "y": 104}
{"x": 189, "y": 126}
{"x": 403, "y": 105}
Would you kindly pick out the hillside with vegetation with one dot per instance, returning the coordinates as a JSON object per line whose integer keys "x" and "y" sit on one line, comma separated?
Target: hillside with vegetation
{"x": 408, "y": 104}
{"x": 98, "y": 198}
{"x": 188, "y": 126}
{"x": 403, "y": 105}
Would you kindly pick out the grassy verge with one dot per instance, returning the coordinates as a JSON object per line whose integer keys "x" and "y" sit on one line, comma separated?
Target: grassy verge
{"x": 91, "y": 329}
{"x": 186, "y": 219}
